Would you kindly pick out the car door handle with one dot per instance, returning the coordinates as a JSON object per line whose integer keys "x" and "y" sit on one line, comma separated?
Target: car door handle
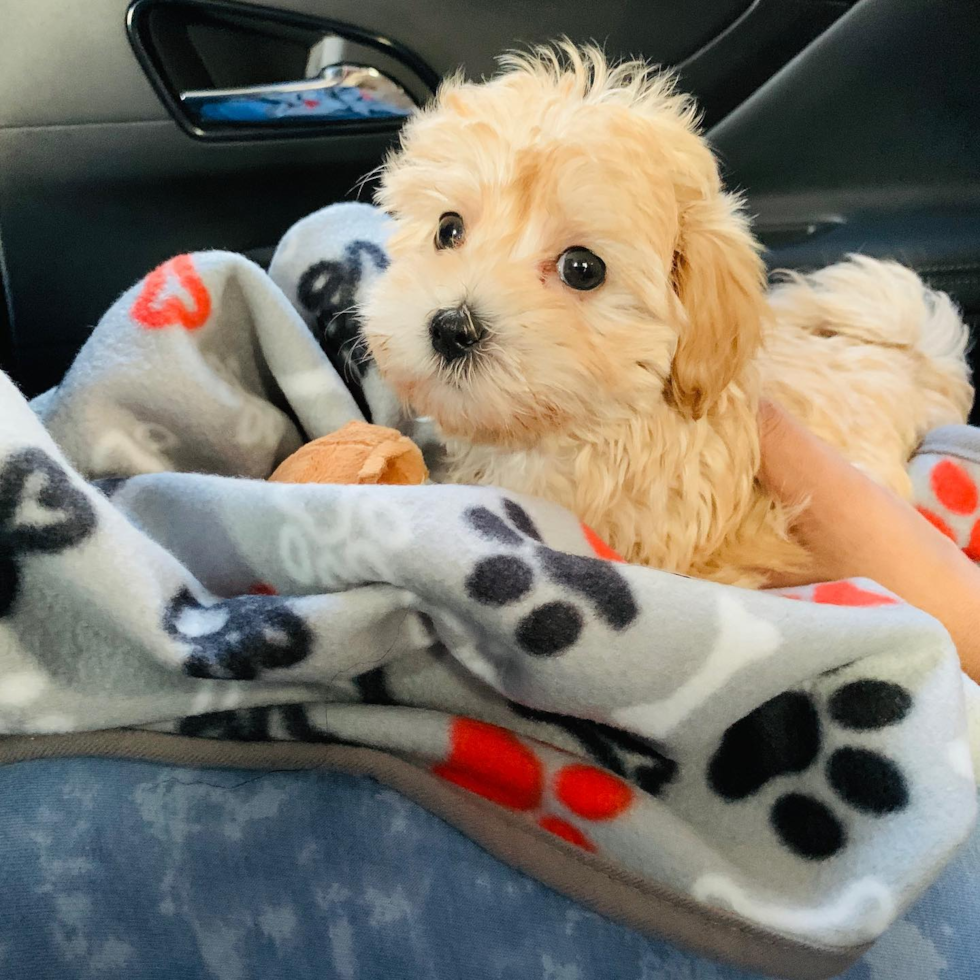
{"x": 342, "y": 93}
{"x": 229, "y": 70}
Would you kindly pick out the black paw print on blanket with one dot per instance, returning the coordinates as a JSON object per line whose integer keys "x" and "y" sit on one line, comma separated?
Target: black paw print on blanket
{"x": 41, "y": 513}
{"x": 237, "y": 639}
{"x": 503, "y": 579}
{"x": 784, "y": 737}
{"x": 328, "y": 291}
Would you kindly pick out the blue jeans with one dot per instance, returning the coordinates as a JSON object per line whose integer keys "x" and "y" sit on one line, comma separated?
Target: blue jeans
{"x": 143, "y": 872}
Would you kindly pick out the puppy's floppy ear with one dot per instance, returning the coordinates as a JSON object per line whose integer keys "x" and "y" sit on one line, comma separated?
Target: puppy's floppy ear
{"x": 720, "y": 281}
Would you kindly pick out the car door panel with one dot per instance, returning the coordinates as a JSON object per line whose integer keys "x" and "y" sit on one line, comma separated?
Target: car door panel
{"x": 98, "y": 182}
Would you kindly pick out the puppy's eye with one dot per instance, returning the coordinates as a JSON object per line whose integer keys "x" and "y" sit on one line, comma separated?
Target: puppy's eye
{"x": 451, "y": 232}
{"x": 581, "y": 269}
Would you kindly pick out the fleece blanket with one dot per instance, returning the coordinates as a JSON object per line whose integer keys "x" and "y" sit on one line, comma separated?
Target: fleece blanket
{"x": 769, "y": 777}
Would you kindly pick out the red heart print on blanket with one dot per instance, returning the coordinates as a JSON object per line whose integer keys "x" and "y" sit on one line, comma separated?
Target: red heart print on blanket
{"x": 598, "y": 546}
{"x": 849, "y": 594}
{"x": 971, "y": 549}
{"x": 155, "y": 311}
{"x": 954, "y": 487}
{"x": 958, "y": 493}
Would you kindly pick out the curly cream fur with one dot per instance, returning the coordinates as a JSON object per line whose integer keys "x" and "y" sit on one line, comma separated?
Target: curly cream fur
{"x": 635, "y": 405}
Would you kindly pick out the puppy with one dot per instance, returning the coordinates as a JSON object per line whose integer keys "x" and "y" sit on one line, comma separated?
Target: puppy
{"x": 581, "y": 308}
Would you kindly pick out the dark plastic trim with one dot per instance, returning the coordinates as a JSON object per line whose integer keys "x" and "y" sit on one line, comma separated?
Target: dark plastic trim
{"x": 7, "y": 351}
{"x": 137, "y": 29}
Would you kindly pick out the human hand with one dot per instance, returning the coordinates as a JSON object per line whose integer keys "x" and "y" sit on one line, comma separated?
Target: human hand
{"x": 853, "y": 527}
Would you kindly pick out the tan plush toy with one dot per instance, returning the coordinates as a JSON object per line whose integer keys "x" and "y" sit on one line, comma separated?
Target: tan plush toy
{"x": 357, "y": 453}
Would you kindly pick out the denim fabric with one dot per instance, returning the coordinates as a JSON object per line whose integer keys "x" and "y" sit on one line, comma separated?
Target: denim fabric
{"x": 127, "y": 871}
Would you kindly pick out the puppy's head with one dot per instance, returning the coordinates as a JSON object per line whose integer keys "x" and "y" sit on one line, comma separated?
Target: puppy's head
{"x": 563, "y": 254}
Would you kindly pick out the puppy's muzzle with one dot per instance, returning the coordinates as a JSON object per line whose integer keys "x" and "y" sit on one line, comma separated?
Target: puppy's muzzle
{"x": 456, "y": 332}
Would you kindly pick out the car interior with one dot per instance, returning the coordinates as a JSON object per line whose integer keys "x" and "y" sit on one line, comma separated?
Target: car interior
{"x": 851, "y": 127}
{"x": 133, "y": 131}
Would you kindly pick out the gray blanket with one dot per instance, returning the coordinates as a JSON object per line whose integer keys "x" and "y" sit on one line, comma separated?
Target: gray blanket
{"x": 794, "y": 766}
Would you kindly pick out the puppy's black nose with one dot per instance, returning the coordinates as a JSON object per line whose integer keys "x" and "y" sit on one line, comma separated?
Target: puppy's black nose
{"x": 455, "y": 332}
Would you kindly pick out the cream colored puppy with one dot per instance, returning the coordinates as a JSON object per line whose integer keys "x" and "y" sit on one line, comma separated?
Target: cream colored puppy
{"x": 581, "y": 308}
